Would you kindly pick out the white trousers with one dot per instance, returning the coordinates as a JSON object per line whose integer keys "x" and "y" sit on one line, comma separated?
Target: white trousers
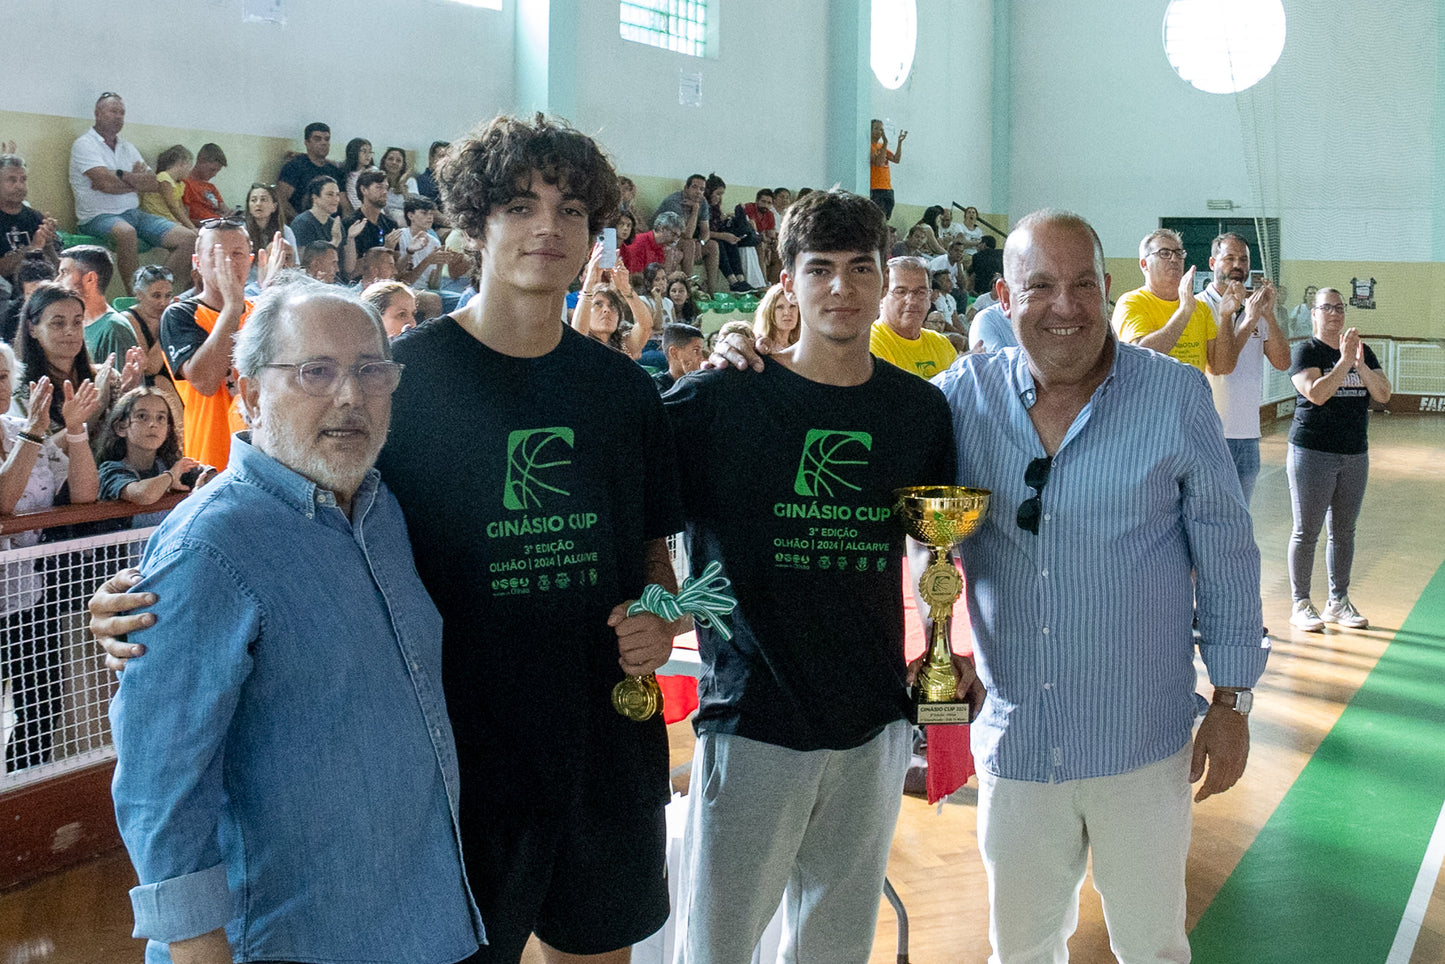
{"x": 762, "y": 820}
{"x": 1035, "y": 839}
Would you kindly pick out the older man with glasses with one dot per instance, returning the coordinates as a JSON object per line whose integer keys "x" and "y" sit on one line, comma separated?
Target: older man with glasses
{"x": 898, "y": 335}
{"x": 295, "y": 671}
{"x": 1111, "y": 488}
{"x": 1166, "y": 316}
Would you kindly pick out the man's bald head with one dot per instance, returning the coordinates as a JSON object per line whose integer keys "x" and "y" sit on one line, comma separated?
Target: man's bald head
{"x": 1022, "y": 232}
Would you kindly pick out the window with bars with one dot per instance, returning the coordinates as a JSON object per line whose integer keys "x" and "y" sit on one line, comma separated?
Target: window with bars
{"x": 677, "y": 25}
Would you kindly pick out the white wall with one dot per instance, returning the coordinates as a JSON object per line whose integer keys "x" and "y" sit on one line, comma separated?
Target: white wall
{"x": 945, "y": 105}
{"x": 410, "y": 71}
{"x": 1340, "y": 134}
{"x": 369, "y": 68}
{"x": 763, "y": 107}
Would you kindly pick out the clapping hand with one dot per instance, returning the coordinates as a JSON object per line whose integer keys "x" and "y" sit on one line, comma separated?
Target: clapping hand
{"x": 271, "y": 259}
{"x": 1352, "y": 349}
{"x": 46, "y": 233}
{"x": 233, "y": 289}
{"x": 1234, "y": 296}
{"x": 1261, "y": 302}
{"x": 133, "y": 370}
{"x": 79, "y": 404}
{"x": 39, "y": 407}
{"x": 1186, "y": 288}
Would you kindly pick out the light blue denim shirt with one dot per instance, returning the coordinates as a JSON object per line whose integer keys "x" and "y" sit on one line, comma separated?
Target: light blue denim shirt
{"x": 1083, "y": 631}
{"x": 285, "y": 766}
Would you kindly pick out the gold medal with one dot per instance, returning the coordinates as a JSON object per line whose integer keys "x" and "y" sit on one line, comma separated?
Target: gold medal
{"x": 637, "y": 697}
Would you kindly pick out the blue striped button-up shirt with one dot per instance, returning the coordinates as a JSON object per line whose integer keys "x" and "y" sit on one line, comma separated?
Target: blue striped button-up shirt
{"x": 1083, "y": 631}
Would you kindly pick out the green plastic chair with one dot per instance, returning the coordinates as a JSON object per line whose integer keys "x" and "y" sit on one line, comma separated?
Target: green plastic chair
{"x": 68, "y": 240}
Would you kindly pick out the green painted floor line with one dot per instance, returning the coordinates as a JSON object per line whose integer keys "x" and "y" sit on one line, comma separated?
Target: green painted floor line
{"x": 1328, "y": 876}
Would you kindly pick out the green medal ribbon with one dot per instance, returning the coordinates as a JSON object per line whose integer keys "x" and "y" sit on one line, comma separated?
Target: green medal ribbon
{"x": 705, "y": 598}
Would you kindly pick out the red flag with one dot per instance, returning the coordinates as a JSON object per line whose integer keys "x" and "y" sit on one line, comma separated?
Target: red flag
{"x": 950, "y": 761}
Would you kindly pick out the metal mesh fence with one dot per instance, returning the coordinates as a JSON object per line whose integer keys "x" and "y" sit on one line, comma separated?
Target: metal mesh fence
{"x": 54, "y": 688}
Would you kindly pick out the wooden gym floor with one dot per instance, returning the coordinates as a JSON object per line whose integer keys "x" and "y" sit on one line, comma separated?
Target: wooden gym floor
{"x": 1309, "y": 859}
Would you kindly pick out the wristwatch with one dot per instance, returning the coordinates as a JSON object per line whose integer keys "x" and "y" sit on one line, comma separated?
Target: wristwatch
{"x": 1241, "y": 701}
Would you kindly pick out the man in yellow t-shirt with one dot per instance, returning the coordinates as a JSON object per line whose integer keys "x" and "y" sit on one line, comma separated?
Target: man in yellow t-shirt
{"x": 899, "y": 336}
{"x": 1164, "y": 314}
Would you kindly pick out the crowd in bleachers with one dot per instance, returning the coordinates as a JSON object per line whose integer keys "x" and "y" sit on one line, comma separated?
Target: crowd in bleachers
{"x": 376, "y": 225}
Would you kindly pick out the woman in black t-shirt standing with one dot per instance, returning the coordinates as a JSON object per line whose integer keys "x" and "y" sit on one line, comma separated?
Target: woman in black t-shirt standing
{"x": 1336, "y": 376}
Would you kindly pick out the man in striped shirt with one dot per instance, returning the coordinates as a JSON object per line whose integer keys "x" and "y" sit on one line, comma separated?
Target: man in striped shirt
{"x": 1112, "y": 489}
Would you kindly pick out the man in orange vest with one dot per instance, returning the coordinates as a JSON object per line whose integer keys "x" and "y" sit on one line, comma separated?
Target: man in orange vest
{"x": 198, "y": 334}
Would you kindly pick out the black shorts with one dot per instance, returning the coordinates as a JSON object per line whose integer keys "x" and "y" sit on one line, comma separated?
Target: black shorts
{"x": 587, "y": 874}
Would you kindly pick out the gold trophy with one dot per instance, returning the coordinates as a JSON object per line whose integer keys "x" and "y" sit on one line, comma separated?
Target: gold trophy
{"x": 939, "y": 516}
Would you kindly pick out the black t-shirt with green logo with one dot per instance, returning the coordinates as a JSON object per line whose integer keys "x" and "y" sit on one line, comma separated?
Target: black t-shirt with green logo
{"x": 531, "y": 487}
{"x": 789, "y": 483}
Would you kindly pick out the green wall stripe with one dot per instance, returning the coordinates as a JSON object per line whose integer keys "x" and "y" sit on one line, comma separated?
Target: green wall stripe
{"x": 1328, "y": 876}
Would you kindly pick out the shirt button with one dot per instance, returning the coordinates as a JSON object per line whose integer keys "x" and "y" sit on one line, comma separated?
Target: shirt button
{"x": 415, "y": 668}
{"x": 1048, "y": 686}
{"x": 1048, "y": 517}
{"x": 1044, "y": 573}
{"x": 1046, "y": 630}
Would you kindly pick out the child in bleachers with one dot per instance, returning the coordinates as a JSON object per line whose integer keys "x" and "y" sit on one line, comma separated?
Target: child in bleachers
{"x": 172, "y": 167}
{"x": 140, "y": 454}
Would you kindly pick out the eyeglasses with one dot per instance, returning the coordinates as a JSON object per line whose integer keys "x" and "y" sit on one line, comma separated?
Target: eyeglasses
{"x": 903, "y": 294}
{"x": 1331, "y": 309}
{"x": 1168, "y": 254}
{"x": 1036, "y": 476}
{"x": 323, "y": 378}
{"x": 233, "y": 221}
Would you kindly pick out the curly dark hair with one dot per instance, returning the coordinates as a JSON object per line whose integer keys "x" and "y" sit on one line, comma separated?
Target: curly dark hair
{"x": 112, "y": 443}
{"x": 498, "y": 160}
{"x": 834, "y": 220}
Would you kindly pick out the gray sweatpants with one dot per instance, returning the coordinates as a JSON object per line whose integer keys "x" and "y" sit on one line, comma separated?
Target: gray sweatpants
{"x": 1324, "y": 485}
{"x": 762, "y": 820}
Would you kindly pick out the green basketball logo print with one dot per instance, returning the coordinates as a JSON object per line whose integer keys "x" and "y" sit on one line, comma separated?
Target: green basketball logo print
{"x": 533, "y": 454}
{"x": 826, "y": 453}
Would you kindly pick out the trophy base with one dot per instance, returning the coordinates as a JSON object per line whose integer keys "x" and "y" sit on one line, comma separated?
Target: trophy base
{"x": 928, "y": 713}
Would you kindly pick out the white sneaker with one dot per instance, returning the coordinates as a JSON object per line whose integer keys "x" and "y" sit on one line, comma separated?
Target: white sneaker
{"x": 1343, "y": 612}
{"x": 1306, "y": 617}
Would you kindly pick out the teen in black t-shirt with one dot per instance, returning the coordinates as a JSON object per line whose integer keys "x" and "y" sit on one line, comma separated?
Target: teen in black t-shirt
{"x": 788, "y": 475}
{"x": 803, "y": 526}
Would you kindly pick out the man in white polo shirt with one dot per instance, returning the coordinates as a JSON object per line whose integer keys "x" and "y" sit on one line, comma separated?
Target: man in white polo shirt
{"x": 105, "y": 174}
{"x": 1248, "y": 318}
